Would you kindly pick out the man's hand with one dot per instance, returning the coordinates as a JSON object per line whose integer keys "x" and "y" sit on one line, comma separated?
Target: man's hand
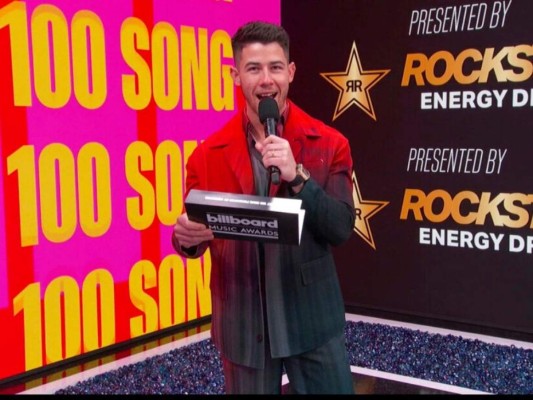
{"x": 277, "y": 152}
{"x": 189, "y": 233}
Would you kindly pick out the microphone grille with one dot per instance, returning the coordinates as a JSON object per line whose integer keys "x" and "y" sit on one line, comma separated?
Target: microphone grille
{"x": 268, "y": 108}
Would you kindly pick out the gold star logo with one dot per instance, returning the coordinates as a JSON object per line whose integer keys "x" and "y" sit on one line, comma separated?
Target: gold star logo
{"x": 354, "y": 85}
{"x": 364, "y": 210}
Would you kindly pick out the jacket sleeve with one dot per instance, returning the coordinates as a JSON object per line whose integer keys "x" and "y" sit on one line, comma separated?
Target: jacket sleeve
{"x": 330, "y": 213}
{"x": 193, "y": 182}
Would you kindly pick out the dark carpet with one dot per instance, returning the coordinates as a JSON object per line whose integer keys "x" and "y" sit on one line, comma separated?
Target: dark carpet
{"x": 452, "y": 360}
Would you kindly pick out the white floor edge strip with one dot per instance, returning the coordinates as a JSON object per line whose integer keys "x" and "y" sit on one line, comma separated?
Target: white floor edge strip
{"x": 414, "y": 381}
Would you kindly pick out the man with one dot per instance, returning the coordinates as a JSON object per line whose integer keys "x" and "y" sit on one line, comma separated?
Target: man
{"x": 275, "y": 306}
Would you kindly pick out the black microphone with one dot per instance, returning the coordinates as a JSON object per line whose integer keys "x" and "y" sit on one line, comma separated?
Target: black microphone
{"x": 269, "y": 116}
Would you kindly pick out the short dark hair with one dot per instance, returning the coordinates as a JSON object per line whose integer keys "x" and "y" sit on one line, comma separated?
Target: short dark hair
{"x": 262, "y": 32}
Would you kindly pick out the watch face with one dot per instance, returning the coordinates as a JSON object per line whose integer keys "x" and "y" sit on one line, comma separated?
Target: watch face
{"x": 300, "y": 170}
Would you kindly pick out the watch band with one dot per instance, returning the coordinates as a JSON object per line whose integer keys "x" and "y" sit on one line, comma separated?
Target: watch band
{"x": 302, "y": 175}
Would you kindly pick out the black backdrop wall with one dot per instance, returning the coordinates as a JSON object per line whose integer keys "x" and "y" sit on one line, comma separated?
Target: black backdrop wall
{"x": 436, "y": 99}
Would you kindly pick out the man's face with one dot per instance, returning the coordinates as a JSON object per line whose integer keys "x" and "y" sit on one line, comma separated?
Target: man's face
{"x": 263, "y": 70}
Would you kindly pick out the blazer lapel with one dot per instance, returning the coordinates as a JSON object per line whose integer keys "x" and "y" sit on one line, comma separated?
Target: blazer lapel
{"x": 235, "y": 149}
{"x": 237, "y": 156}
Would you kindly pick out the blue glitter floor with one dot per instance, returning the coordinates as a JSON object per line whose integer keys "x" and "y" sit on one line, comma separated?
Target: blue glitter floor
{"x": 446, "y": 359}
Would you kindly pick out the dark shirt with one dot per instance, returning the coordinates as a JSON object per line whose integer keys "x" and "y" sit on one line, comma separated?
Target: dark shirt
{"x": 262, "y": 188}
{"x": 261, "y": 174}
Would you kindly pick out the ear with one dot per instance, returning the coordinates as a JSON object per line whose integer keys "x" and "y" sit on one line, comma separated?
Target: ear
{"x": 292, "y": 71}
{"x": 235, "y": 75}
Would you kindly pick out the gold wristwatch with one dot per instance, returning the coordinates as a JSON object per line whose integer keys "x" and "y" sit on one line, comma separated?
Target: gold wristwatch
{"x": 302, "y": 175}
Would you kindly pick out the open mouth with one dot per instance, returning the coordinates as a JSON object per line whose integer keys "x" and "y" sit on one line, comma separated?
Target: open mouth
{"x": 260, "y": 96}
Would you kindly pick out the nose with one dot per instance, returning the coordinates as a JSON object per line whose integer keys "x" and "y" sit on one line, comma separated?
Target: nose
{"x": 266, "y": 77}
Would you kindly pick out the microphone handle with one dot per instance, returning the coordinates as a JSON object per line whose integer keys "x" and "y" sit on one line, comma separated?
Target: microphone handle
{"x": 274, "y": 175}
{"x": 270, "y": 129}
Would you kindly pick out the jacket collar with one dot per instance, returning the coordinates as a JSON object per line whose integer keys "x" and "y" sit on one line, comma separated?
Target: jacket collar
{"x": 235, "y": 147}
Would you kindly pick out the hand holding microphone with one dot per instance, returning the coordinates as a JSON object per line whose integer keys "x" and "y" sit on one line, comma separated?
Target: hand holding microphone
{"x": 269, "y": 117}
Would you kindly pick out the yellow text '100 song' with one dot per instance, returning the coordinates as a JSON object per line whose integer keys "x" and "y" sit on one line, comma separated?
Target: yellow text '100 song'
{"x": 160, "y": 297}
{"x": 76, "y": 191}
{"x": 68, "y": 60}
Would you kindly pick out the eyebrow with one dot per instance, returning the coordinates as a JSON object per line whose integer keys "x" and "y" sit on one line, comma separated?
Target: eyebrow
{"x": 255, "y": 63}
